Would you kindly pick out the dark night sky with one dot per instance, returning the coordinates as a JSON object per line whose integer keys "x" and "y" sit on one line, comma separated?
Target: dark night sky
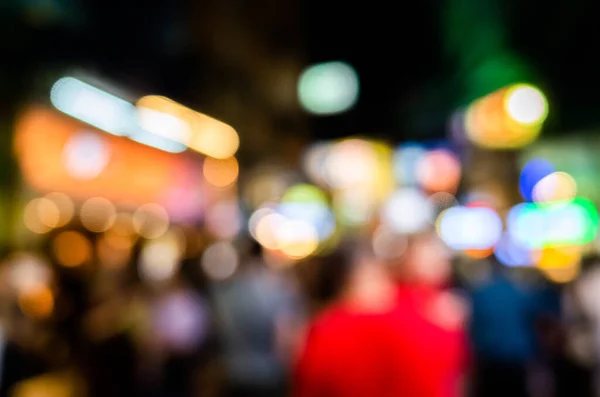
{"x": 396, "y": 48}
{"x": 394, "y": 57}
{"x": 397, "y": 51}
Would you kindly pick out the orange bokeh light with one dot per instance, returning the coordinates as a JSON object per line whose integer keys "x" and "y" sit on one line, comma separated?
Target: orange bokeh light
{"x": 220, "y": 173}
{"x": 133, "y": 175}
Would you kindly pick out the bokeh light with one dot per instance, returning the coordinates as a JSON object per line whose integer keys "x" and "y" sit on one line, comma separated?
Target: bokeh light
{"x": 65, "y": 206}
{"x": 151, "y": 220}
{"x": 439, "y": 171}
{"x": 98, "y": 214}
{"x": 526, "y": 104}
{"x": 513, "y": 254}
{"x": 470, "y": 228}
{"x": 407, "y": 211}
{"x": 558, "y": 186}
{"x": 85, "y": 155}
{"x": 71, "y": 249}
{"x": 37, "y": 303}
{"x": 32, "y": 219}
{"x": 28, "y": 272}
{"x": 93, "y": 106}
{"x": 351, "y": 163}
{"x": 198, "y": 131}
{"x": 220, "y": 172}
{"x": 159, "y": 259}
{"x": 571, "y": 223}
{"x": 220, "y": 260}
{"x": 533, "y": 172}
{"x": 328, "y": 88}
{"x": 267, "y": 229}
{"x": 509, "y": 118}
{"x": 297, "y": 239}
{"x": 48, "y": 212}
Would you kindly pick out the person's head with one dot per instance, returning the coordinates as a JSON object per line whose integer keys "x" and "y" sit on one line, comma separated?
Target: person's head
{"x": 425, "y": 261}
{"x": 336, "y": 269}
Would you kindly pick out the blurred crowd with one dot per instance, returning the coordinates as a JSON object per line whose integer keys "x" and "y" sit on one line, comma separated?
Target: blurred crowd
{"x": 344, "y": 324}
{"x": 149, "y": 250}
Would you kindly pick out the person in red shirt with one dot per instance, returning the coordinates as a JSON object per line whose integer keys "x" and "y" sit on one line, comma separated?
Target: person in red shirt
{"x": 394, "y": 331}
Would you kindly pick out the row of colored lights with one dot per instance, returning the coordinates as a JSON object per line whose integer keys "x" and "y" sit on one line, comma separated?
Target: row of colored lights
{"x": 154, "y": 120}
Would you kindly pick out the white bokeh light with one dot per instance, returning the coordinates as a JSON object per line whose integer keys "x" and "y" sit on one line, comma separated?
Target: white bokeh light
{"x": 85, "y": 155}
{"x": 526, "y": 104}
{"x": 407, "y": 211}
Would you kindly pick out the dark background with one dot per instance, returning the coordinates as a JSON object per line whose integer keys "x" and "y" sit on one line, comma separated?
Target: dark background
{"x": 411, "y": 78}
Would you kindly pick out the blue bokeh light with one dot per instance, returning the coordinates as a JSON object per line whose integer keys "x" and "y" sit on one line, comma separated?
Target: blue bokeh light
{"x": 532, "y": 173}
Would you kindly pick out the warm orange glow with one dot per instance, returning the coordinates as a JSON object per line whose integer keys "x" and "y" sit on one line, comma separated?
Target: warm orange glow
{"x": 220, "y": 173}
{"x": 133, "y": 175}
{"x": 488, "y": 125}
{"x": 479, "y": 254}
{"x": 71, "y": 249}
{"x": 113, "y": 249}
{"x": 209, "y": 136}
{"x": 37, "y": 303}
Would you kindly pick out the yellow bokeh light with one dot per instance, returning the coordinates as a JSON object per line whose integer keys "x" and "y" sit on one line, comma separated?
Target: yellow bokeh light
{"x": 71, "y": 249}
{"x": 220, "y": 172}
{"x": 208, "y": 135}
{"x": 559, "y": 257}
{"x": 213, "y": 137}
{"x": 562, "y": 275}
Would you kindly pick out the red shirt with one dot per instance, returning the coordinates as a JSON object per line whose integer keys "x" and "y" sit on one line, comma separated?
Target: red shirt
{"x": 408, "y": 350}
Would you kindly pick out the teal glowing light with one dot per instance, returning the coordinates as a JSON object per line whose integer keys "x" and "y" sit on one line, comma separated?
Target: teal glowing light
{"x": 328, "y": 88}
{"x": 93, "y": 106}
{"x": 562, "y": 223}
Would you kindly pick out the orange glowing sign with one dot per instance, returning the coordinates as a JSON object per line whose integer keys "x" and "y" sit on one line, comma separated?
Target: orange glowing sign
{"x": 57, "y": 153}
